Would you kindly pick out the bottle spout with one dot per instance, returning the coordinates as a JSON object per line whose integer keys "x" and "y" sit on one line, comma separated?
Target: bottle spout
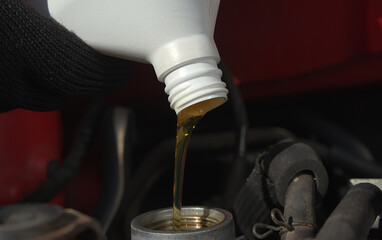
{"x": 193, "y": 83}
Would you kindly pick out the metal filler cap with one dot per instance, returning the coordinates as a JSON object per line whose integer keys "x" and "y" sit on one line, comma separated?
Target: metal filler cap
{"x": 198, "y": 223}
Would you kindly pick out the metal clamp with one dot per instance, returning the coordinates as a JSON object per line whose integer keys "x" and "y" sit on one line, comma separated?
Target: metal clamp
{"x": 278, "y": 219}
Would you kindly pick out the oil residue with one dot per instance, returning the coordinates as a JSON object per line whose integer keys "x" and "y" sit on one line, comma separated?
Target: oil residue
{"x": 187, "y": 120}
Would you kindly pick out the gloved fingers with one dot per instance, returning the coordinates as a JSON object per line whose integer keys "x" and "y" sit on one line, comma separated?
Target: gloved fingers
{"x": 41, "y": 62}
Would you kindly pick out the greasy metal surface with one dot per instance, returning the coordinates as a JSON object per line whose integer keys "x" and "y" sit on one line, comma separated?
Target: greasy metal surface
{"x": 45, "y": 222}
{"x": 25, "y": 217}
{"x": 202, "y": 223}
{"x": 83, "y": 225}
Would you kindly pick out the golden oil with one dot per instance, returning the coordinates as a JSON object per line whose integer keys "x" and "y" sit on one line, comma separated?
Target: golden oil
{"x": 187, "y": 120}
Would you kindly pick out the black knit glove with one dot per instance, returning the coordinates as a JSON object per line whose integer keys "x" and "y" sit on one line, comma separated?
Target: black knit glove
{"x": 42, "y": 63}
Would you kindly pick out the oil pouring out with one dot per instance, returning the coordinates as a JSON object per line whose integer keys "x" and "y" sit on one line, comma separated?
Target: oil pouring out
{"x": 187, "y": 120}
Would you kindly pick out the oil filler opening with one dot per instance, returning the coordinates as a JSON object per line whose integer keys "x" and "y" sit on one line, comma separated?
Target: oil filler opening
{"x": 193, "y": 218}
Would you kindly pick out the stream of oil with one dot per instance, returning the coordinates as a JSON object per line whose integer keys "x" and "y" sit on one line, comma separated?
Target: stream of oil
{"x": 187, "y": 120}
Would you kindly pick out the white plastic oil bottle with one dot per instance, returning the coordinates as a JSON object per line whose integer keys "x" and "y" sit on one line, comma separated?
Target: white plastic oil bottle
{"x": 175, "y": 36}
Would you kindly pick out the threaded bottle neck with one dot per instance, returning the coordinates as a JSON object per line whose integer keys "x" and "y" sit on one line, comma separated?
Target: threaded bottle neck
{"x": 195, "y": 82}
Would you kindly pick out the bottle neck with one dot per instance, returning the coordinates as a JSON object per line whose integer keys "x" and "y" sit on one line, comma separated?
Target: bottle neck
{"x": 193, "y": 83}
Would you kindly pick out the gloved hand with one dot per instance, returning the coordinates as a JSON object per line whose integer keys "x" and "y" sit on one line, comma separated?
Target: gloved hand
{"x": 42, "y": 63}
